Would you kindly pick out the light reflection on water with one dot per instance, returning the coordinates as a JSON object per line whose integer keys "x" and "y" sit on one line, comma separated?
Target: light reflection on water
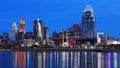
{"x": 59, "y": 60}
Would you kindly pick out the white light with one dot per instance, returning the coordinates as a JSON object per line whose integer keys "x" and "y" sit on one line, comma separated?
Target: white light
{"x": 88, "y": 8}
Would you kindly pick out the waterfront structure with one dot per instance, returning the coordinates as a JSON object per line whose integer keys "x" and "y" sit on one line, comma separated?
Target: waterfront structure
{"x": 88, "y": 23}
{"x": 14, "y": 31}
{"x": 28, "y": 39}
{"x": 111, "y": 41}
{"x": 56, "y": 39}
{"x": 1, "y": 37}
{"x": 5, "y": 36}
{"x": 55, "y": 35}
{"x": 22, "y": 25}
{"x": 20, "y": 37}
{"x": 28, "y": 35}
{"x": 74, "y": 32}
{"x": 101, "y": 38}
{"x": 64, "y": 38}
{"x": 38, "y": 29}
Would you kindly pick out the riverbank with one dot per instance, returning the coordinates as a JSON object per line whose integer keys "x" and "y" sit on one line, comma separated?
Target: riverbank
{"x": 60, "y": 50}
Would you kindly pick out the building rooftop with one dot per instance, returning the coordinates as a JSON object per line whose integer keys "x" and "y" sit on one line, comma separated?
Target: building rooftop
{"x": 88, "y": 8}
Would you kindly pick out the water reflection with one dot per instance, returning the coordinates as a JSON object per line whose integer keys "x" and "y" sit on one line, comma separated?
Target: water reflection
{"x": 21, "y": 59}
{"x": 115, "y": 60}
{"x": 59, "y": 60}
{"x": 38, "y": 60}
{"x": 66, "y": 60}
{"x": 108, "y": 60}
{"x": 14, "y": 61}
{"x": 5, "y": 60}
{"x": 30, "y": 60}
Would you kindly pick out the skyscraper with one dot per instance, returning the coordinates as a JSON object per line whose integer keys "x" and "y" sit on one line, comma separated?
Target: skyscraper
{"x": 14, "y": 27}
{"x": 88, "y": 23}
{"x": 46, "y": 32}
{"x": 22, "y": 25}
{"x": 14, "y": 31}
{"x": 38, "y": 30}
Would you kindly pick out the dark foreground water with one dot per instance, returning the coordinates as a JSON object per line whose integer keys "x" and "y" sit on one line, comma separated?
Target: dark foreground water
{"x": 59, "y": 60}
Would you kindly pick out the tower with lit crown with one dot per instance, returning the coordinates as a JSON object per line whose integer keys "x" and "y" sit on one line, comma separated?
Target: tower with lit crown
{"x": 88, "y": 23}
{"x": 14, "y": 31}
{"x": 14, "y": 27}
{"x": 22, "y": 25}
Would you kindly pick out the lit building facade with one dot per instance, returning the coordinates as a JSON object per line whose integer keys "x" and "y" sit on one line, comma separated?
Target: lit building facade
{"x": 38, "y": 29}
{"x": 101, "y": 38}
{"x": 22, "y": 25}
{"x": 14, "y": 31}
{"x": 88, "y": 23}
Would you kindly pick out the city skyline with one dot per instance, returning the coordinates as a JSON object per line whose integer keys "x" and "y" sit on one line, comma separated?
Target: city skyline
{"x": 60, "y": 13}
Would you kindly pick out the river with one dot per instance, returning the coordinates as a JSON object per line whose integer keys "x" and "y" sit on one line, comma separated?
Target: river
{"x": 59, "y": 59}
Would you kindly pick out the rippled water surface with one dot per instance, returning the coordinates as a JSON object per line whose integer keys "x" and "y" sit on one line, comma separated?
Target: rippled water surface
{"x": 59, "y": 60}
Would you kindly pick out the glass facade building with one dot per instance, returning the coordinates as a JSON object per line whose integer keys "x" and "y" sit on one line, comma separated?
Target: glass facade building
{"x": 88, "y": 23}
{"x": 38, "y": 30}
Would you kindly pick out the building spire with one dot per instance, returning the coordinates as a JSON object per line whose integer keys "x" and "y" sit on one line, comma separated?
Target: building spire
{"x": 88, "y": 8}
{"x": 14, "y": 24}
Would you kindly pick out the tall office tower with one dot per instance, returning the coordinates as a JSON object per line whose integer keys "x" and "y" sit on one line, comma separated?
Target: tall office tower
{"x": 14, "y": 31}
{"x": 22, "y": 25}
{"x": 88, "y": 23}
{"x": 38, "y": 30}
{"x": 14, "y": 27}
{"x": 46, "y": 33}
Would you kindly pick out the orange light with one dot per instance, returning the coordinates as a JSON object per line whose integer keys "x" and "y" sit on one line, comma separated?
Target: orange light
{"x": 22, "y": 21}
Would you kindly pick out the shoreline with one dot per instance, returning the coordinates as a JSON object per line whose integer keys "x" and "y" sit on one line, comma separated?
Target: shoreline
{"x": 59, "y": 50}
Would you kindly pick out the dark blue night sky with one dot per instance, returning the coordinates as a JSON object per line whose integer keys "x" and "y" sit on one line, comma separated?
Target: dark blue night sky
{"x": 58, "y": 14}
